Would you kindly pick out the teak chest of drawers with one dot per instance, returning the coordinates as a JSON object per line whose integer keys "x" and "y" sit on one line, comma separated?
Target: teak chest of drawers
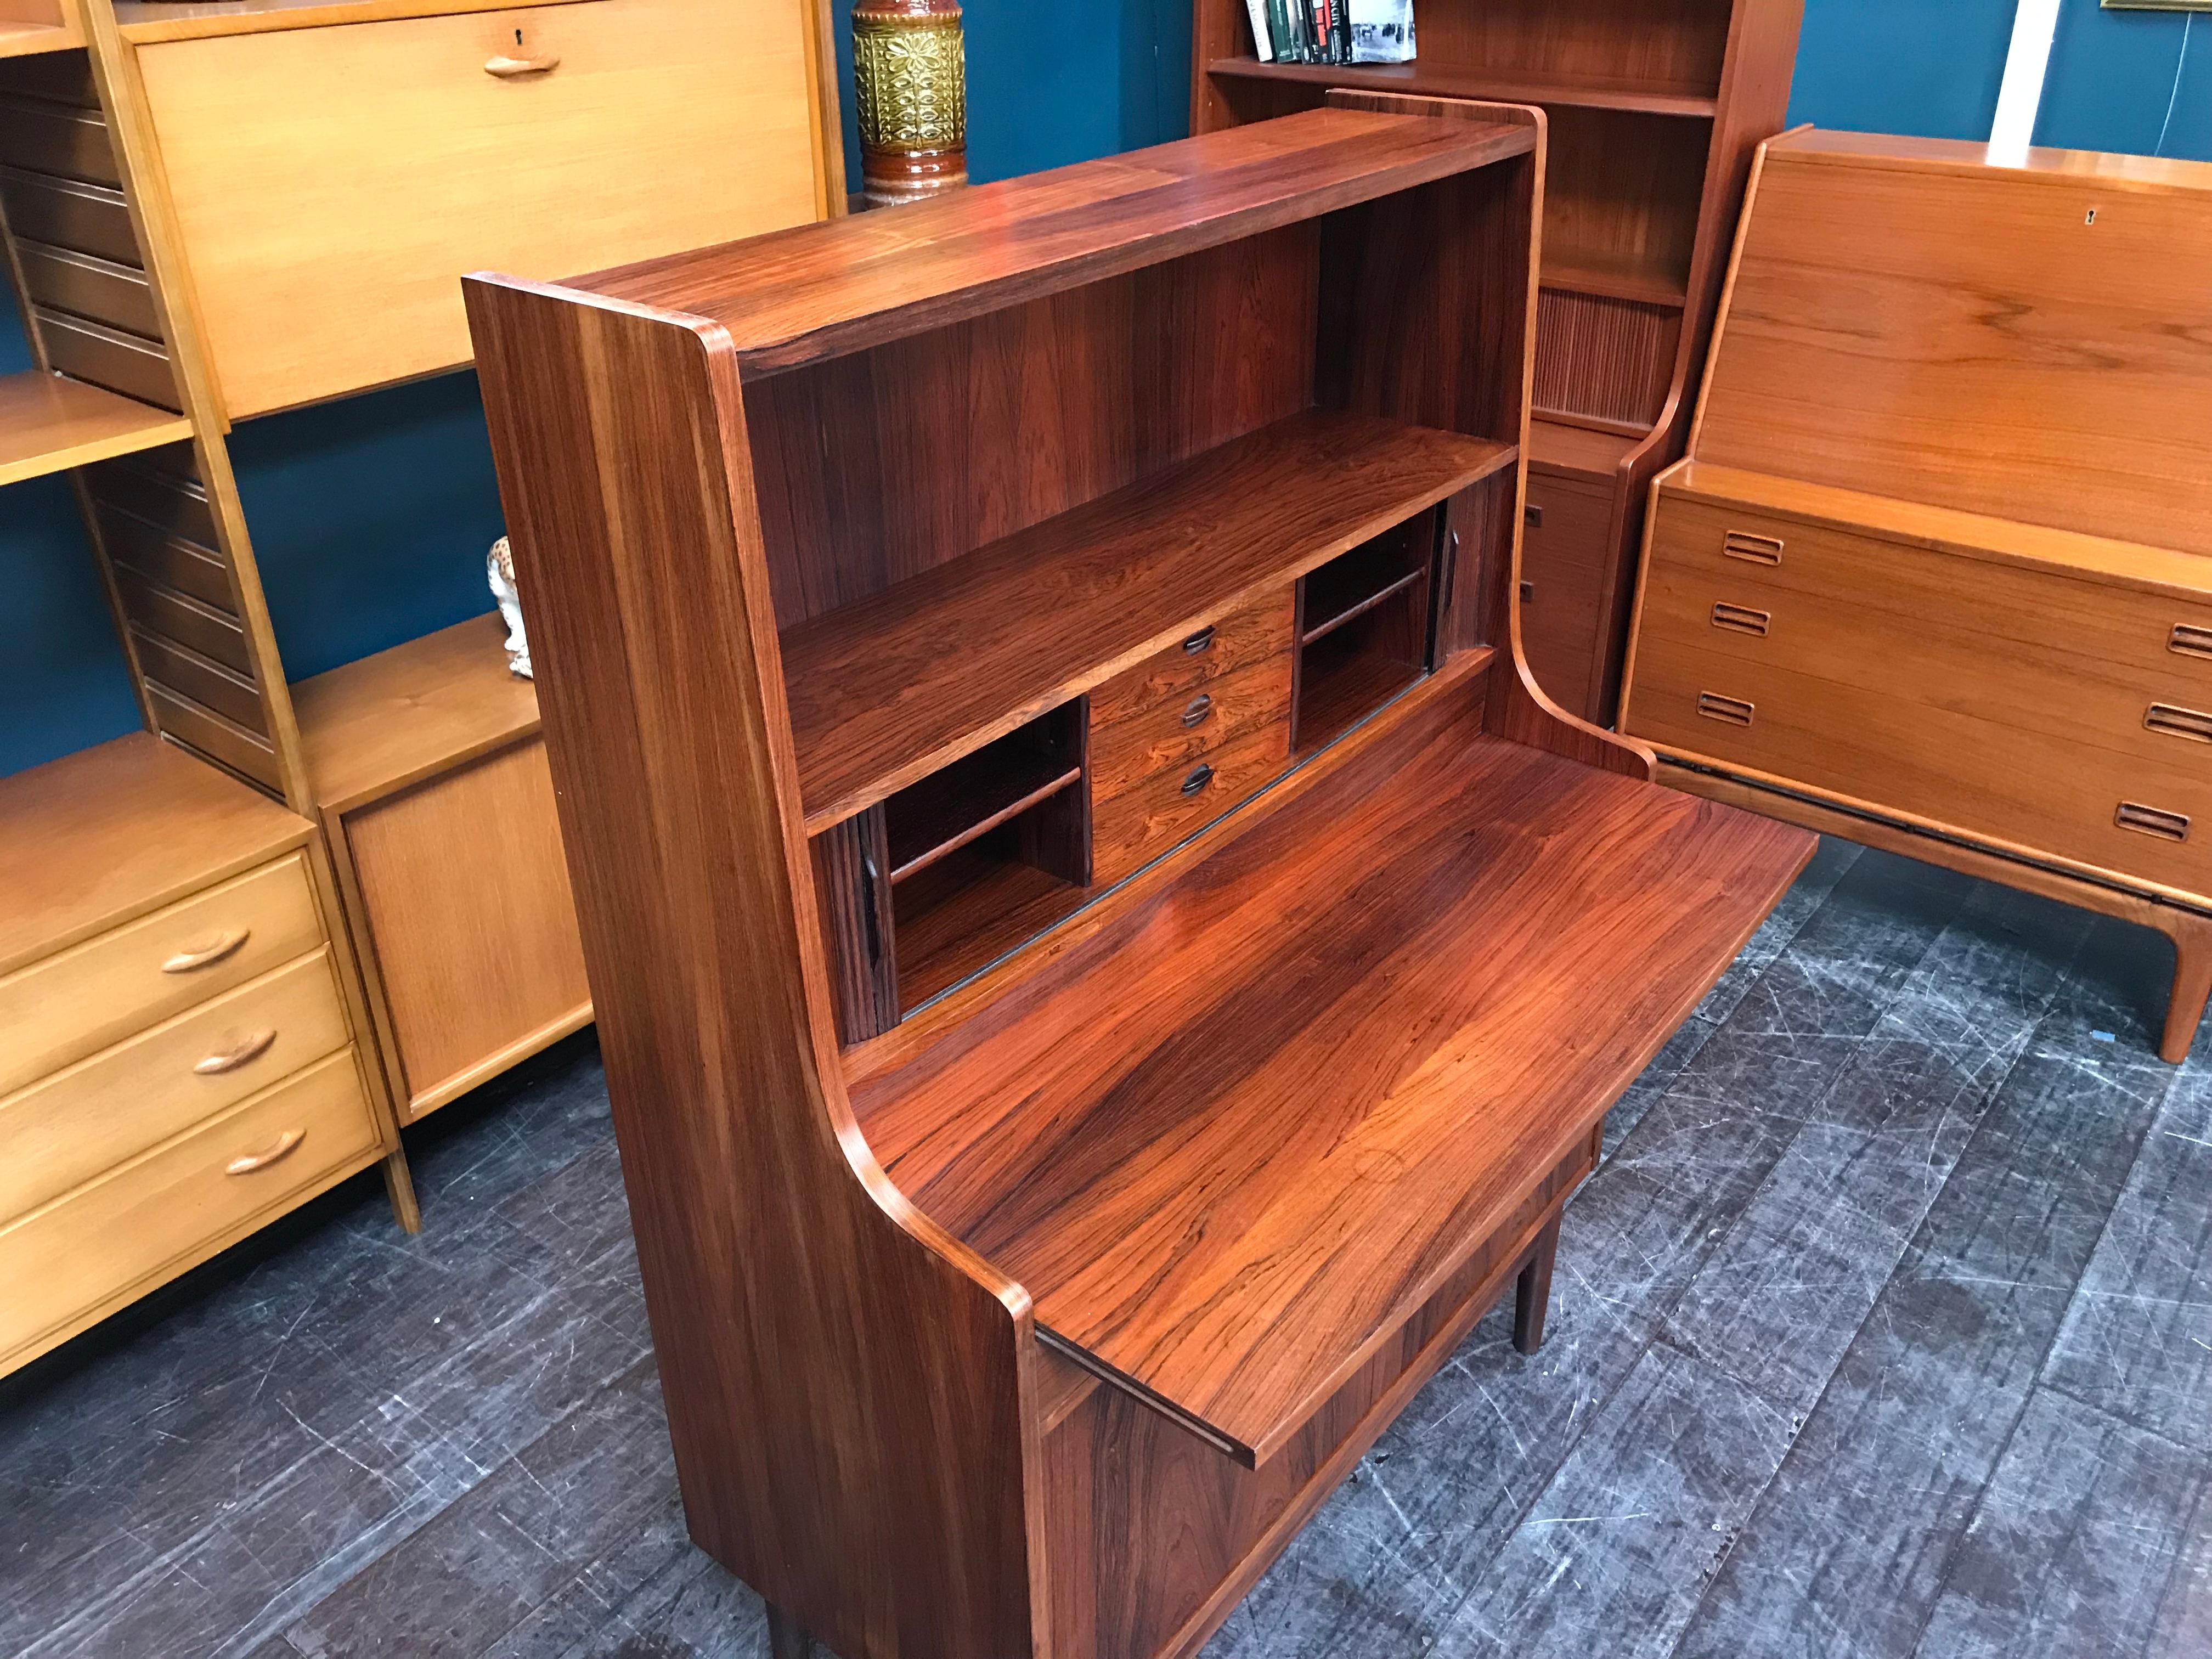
{"x": 177, "y": 1058}
{"x": 1938, "y": 571}
{"x": 1107, "y": 968}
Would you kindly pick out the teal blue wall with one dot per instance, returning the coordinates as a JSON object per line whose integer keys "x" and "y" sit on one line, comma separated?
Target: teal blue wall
{"x": 371, "y": 516}
{"x": 2134, "y": 81}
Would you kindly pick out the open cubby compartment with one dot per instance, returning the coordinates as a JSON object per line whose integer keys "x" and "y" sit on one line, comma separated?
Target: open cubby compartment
{"x": 1364, "y": 629}
{"x": 988, "y": 852}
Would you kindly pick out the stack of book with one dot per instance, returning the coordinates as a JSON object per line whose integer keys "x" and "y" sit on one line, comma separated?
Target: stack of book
{"x": 1332, "y": 31}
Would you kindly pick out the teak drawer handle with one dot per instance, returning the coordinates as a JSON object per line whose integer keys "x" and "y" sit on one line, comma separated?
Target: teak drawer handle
{"x": 1755, "y": 550}
{"x": 1201, "y": 707}
{"x": 1201, "y": 640}
{"x": 206, "y": 955}
{"x": 1742, "y": 619}
{"x": 2191, "y": 641}
{"x": 2174, "y": 722}
{"x": 2150, "y": 821}
{"x": 513, "y": 69}
{"x": 1731, "y": 711}
{"x": 286, "y": 1145}
{"x": 244, "y": 1053}
{"x": 1198, "y": 780}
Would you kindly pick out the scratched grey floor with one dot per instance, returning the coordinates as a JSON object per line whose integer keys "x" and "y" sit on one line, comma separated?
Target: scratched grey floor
{"x": 1885, "y": 1330}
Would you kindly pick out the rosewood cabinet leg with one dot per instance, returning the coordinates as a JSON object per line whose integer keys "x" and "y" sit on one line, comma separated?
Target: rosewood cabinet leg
{"x": 2192, "y": 986}
{"x": 785, "y": 1640}
{"x": 1532, "y": 1298}
{"x": 399, "y": 1188}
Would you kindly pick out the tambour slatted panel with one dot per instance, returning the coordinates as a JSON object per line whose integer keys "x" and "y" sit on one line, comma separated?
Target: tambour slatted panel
{"x": 1611, "y": 360}
{"x": 58, "y": 279}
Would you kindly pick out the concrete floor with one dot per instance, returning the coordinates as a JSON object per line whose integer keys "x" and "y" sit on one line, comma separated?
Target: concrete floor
{"x": 1885, "y": 1329}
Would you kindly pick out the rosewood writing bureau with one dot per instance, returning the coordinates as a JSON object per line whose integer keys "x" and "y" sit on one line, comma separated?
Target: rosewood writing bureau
{"x": 1107, "y": 968}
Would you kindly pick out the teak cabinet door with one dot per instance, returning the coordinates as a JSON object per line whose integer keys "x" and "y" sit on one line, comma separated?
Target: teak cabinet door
{"x": 471, "y": 926}
{"x": 332, "y": 184}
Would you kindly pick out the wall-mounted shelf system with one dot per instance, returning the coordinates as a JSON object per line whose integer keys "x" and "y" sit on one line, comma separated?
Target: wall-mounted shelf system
{"x": 1654, "y": 110}
{"x": 1065, "y": 1125}
{"x": 215, "y": 210}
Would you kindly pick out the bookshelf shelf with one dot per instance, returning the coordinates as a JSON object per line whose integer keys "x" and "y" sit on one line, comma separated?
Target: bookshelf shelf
{"x": 1612, "y": 279}
{"x": 1445, "y": 81}
{"x": 888, "y": 690}
{"x": 49, "y": 425}
{"x": 19, "y": 39}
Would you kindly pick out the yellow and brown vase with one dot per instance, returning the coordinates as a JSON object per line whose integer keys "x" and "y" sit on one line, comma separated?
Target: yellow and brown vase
{"x": 910, "y": 75}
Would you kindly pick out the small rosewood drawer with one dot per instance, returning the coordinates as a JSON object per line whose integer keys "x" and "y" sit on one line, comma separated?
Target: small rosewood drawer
{"x": 69, "y": 1127}
{"x": 75, "y": 1004}
{"x": 95, "y": 1249}
{"x": 1161, "y": 687}
{"x": 1173, "y": 736}
{"x": 1131, "y": 828}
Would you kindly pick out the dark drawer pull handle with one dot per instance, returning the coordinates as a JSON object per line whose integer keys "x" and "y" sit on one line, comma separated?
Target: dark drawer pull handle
{"x": 2191, "y": 641}
{"x": 1755, "y": 550}
{"x": 1731, "y": 711}
{"x": 1203, "y": 640}
{"x": 2149, "y": 821}
{"x": 1201, "y": 707}
{"x": 1198, "y": 780}
{"x": 2179, "y": 722}
{"x": 1742, "y": 619}
{"x": 1533, "y": 516}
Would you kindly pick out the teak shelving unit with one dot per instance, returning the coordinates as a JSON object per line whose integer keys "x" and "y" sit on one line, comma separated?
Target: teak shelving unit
{"x": 1063, "y": 1124}
{"x": 1655, "y": 108}
{"x": 215, "y": 211}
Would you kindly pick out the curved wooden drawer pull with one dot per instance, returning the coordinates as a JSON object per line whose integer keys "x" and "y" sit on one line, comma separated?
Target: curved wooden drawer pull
{"x": 1201, "y": 707}
{"x": 1731, "y": 711}
{"x": 513, "y": 69}
{"x": 2152, "y": 821}
{"x": 1753, "y": 549}
{"x": 244, "y": 1053}
{"x": 2190, "y": 640}
{"x": 287, "y": 1144}
{"x": 1742, "y": 619}
{"x": 206, "y": 955}
{"x": 2192, "y": 723}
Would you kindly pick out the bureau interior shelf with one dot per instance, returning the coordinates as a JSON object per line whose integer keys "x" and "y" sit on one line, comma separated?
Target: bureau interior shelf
{"x": 887, "y": 691}
{"x": 1077, "y": 1135}
{"x": 1443, "y": 81}
{"x": 966, "y": 801}
{"x": 21, "y": 39}
{"x": 49, "y": 423}
{"x": 1570, "y": 447}
{"x": 1615, "y": 279}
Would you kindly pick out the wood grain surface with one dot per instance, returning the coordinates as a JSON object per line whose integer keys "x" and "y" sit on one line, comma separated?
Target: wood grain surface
{"x": 845, "y": 1386}
{"x": 791, "y": 298}
{"x": 94, "y": 838}
{"x": 1118, "y": 1135}
{"x": 2025, "y": 344}
{"x": 886, "y": 691}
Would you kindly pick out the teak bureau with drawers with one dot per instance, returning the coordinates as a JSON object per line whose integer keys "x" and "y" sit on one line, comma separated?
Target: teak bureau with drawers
{"x": 1937, "y": 573}
{"x": 1107, "y": 967}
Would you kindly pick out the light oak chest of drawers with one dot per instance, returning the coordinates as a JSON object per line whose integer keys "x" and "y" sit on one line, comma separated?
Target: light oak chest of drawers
{"x": 1938, "y": 572}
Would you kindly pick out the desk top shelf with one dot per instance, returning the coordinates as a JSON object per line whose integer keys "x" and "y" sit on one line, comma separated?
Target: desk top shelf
{"x": 1500, "y": 87}
{"x": 887, "y": 691}
{"x": 1232, "y": 1141}
{"x": 798, "y": 296}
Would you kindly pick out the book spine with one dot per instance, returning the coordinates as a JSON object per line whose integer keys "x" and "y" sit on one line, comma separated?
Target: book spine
{"x": 1343, "y": 18}
{"x": 1263, "y": 44}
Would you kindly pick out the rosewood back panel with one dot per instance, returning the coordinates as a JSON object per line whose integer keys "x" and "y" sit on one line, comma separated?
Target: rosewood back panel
{"x": 1880, "y": 336}
{"x": 876, "y": 466}
{"x": 844, "y": 1384}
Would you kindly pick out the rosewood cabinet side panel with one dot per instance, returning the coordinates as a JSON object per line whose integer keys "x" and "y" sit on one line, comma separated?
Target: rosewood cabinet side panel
{"x": 1155, "y": 1535}
{"x": 849, "y": 1392}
